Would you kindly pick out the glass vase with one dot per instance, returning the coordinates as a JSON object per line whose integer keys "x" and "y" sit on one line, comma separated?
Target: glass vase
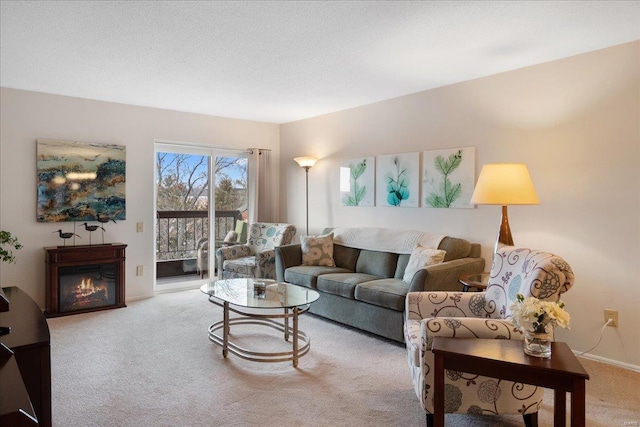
{"x": 537, "y": 344}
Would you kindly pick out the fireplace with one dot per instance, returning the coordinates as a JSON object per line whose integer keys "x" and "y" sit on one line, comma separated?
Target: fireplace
{"x": 84, "y": 278}
{"x": 87, "y": 286}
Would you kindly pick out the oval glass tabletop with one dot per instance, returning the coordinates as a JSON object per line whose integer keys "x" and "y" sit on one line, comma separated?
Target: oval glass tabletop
{"x": 260, "y": 293}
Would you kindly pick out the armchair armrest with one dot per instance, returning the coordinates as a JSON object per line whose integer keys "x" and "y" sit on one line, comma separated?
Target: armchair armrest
{"x": 425, "y": 305}
{"x": 419, "y": 333}
{"x": 234, "y": 251}
{"x": 231, "y": 252}
{"x": 468, "y": 327}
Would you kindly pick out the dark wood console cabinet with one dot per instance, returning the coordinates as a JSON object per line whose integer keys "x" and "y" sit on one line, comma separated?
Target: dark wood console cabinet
{"x": 29, "y": 340}
{"x": 60, "y": 258}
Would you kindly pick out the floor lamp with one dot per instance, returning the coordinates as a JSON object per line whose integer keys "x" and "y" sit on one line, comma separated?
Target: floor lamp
{"x": 306, "y": 163}
{"x": 504, "y": 184}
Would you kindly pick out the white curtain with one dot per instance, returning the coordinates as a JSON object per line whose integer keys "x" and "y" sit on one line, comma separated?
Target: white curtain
{"x": 259, "y": 181}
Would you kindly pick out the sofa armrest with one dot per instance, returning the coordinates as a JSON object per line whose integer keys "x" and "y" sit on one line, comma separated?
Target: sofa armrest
{"x": 444, "y": 276}
{"x": 287, "y": 256}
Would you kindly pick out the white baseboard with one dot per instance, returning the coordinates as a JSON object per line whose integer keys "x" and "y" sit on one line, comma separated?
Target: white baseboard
{"x": 186, "y": 287}
{"x": 136, "y": 298}
{"x": 617, "y": 363}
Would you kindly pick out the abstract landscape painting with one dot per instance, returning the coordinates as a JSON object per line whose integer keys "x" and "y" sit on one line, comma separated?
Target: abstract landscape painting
{"x": 397, "y": 180}
{"x": 448, "y": 177}
{"x": 357, "y": 181}
{"x": 80, "y": 181}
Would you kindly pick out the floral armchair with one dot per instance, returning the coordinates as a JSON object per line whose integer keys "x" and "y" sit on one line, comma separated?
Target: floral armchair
{"x": 256, "y": 258}
{"x": 481, "y": 315}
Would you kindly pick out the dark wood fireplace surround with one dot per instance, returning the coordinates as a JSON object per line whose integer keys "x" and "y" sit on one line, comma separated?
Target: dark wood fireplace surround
{"x": 58, "y": 257}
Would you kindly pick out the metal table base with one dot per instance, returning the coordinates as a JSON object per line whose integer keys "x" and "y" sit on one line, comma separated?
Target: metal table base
{"x": 301, "y": 343}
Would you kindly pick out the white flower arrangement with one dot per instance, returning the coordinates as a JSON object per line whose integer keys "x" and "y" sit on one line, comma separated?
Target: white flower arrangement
{"x": 534, "y": 315}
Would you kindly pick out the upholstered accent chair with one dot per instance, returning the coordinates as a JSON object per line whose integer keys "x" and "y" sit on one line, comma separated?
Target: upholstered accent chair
{"x": 483, "y": 315}
{"x": 239, "y": 235}
{"x": 256, "y": 258}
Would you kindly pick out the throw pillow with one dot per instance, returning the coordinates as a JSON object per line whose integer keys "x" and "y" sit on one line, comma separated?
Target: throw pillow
{"x": 420, "y": 258}
{"x": 317, "y": 250}
{"x": 231, "y": 237}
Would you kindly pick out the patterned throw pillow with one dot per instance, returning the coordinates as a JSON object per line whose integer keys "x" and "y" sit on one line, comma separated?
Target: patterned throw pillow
{"x": 420, "y": 258}
{"x": 317, "y": 250}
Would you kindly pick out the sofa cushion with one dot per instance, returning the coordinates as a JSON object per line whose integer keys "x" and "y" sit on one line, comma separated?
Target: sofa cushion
{"x": 456, "y": 248}
{"x": 317, "y": 250}
{"x": 388, "y": 293}
{"x": 342, "y": 284}
{"x": 421, "y": 258}
{"x": 345, "y": 257}
{"x": 307, "y": 275}
{"x": 381, "y": 264}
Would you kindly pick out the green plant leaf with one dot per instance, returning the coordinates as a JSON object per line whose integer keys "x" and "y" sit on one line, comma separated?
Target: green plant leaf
{"x": 392, "y": 199}
{"x": 8, "y": 243}
{"x": 358, "y": 170}
{"x": 350, "y": 201}
{"x": 435, "y": 201}
{"x": 403, "y": 193}
{"x": 453, "y": 194}
{"x": 440, "y": 165}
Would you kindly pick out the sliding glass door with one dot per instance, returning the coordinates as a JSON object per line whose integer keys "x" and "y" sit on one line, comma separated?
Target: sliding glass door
{"x": 201, "y": 199}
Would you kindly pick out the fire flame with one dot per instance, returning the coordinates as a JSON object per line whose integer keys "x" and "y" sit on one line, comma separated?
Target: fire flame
{"x": 86, "y": 287}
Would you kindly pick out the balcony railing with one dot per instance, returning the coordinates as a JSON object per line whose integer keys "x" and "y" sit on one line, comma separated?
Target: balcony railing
{"x": 178, "y": 234}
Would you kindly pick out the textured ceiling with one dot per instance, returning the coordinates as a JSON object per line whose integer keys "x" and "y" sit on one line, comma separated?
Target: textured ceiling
{"x": 284, "y": 61}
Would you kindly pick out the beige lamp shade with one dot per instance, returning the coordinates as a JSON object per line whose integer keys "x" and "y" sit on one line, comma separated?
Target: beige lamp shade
{"x": 504, "y": 184}
{"x": 306, "y": 162}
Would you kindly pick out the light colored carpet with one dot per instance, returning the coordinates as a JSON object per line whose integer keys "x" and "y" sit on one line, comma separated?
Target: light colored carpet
{"x": 152, "y": 364}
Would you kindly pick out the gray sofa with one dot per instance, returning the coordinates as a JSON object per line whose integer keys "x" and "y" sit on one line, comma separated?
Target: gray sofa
{"x": 365, "y": 289}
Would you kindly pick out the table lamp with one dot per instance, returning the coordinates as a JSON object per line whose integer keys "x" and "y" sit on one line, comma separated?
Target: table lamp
{"x": 306, "y": 163}
{"x": 504, "y": 184}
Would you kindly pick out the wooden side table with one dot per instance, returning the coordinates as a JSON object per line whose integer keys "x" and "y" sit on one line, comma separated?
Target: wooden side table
{"x": 477, "y": 281}
{"x": 505, "y": 359}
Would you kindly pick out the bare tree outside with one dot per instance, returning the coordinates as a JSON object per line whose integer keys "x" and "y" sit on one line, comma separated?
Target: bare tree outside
{"x": 183, "y": 187}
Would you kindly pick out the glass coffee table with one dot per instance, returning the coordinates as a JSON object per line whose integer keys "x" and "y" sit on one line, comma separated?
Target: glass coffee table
{"x": 265, "y": 303}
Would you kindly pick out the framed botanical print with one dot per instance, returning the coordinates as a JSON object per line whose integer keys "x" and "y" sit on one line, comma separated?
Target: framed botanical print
{"x": 357, "y": 182}
{"x": 448, "y": 177}
{"x": 397, "y": 180}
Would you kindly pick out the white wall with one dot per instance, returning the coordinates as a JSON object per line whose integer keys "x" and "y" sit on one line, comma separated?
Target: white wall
{"x": 26, "y": 116}
{"x": 574, "y": 122}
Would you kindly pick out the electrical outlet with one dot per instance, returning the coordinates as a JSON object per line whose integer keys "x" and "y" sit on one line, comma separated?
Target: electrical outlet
{"x": 613, "y": 315}
{"x": 139, "y": 270}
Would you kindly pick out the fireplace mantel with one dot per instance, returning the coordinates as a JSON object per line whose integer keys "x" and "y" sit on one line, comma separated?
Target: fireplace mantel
{"x": 106, "y": 261}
